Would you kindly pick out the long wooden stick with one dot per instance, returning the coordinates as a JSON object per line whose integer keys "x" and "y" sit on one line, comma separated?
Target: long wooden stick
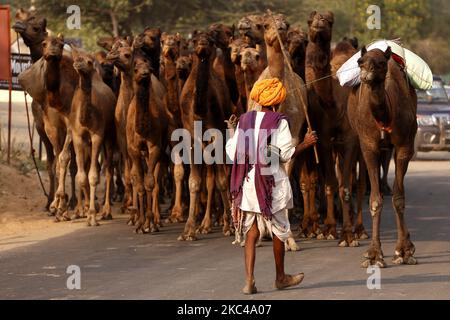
{"x": 292, "y": 75}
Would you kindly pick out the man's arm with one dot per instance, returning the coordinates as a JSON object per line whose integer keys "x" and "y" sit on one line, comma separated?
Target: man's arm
{"x": 309, "y": 141}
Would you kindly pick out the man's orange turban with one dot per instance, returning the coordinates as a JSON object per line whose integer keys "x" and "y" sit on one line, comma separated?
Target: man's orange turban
{"x": 268, "y": 92}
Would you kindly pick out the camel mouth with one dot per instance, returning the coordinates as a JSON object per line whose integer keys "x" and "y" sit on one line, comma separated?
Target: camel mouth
{"x": 52, "y": 56}
{"x": 19, "y": 27}
{"x": 112, "y": 57}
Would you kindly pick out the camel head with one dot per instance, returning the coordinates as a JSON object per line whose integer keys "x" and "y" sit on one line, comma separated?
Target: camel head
{"x": 251, "y": 28}
{"x": 222, "y": 35}
{"x": 31, "y": 28}
{"x": 83, "y": 62}
{"x": 184, "y": 66}
{"x": 204, "y": 45}
{"x": 236, "y": 46}
{"x": 297, "y": 40}
{"x": 149, "y": 40}
{"x": 121, "y": 54}
{"x": 374, "y": 65}
{"x": 106, "y": 42}
{"x": 273, "y": 24}
{"x": 141, "y": 70}
{"x": 353, "y": 41}
{"x": 320, "y": 26}
{"x": 171, "y": 46}
{"x": 53, "y": 47}
{"x": 249, "y": 59}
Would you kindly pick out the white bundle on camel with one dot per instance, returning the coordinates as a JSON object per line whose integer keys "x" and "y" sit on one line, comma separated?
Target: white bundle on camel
{"x": 418, "y": 71}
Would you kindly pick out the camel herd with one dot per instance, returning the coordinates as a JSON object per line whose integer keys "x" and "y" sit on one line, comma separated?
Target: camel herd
{"x": 123, "y": 104}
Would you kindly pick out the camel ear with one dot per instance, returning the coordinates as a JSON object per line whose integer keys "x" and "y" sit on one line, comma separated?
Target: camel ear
{"x": 129, "y": 40}
{"x": 60, "y": 36}
{"x": 363, "y": 52}
{"x": 311, "y": 17}
{"x": 158, "y": 30}
{"x": 44, "y": 24}
{"x": 388, "y": 53}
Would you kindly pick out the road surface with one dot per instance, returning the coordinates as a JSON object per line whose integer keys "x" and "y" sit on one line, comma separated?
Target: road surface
{"x": 115, "y": 263}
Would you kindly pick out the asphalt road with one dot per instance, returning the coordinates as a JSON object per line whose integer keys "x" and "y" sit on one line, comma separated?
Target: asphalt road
{"x": 117, "y": 264}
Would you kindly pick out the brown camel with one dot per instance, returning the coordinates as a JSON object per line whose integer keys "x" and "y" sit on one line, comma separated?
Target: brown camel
{"x": 121, "y": 55}
{"x": 223, "y": 65}
{"x": 32, "y": 29}
{"x": 236, "y": 46}
{"x": 385, "y": 103}
{"x": 297, "y": 40}
{"x": 51, "y": 82}
{"x": 184, "y": 66}
{"x": 149, "y": 41}
{"x": 146, "y": 123}
{"x": 296, "y": 97}
{"x": 251, "y": 67}
{"x": 205, "y": 98}
{"x": 251, "y": 29}
{"x": 170, "y": 53}
{"x": 91, "y": 126}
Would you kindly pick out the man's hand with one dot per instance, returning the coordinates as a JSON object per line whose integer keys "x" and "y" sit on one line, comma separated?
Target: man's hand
{"x": 310, "y": 139}
{"x": 232, "y": 122}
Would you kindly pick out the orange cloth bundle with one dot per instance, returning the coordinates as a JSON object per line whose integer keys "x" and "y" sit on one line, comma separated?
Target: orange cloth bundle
{"x": 268, "y": 92}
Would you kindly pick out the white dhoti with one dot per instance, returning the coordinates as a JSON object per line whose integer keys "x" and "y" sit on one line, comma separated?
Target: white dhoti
{"x": 278, "y": 226}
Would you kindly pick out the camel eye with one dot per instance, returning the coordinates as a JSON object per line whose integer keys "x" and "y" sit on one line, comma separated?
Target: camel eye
{"x": 127, "y": 55}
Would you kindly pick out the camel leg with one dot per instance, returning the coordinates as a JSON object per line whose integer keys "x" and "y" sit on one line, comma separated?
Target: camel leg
{"x": 386, "y": 156}
{"x": 305, "y": 189}
{"x": 136, "y": 177}
{"x": 118, "y": 168}
{"x": 73, "y": 173}
{"x": 155, "y": 205}
{"x": 127, "y": 200}
{"x": 205, "y": 226}
{"x": 194, "y": 190}
{"x": 50, "y": 167}
{"x": 176, "y": 214}
{"x": 360, "y": 232}
{"x": 109, "y": 171}
{"x": 404, "y": 249}
{"x": 348, "y": 157}
{"x": 224, "y": 190}
{"x": 374, "y": 255}
{"x": 328, "y": 165}
{"x": 81, "y": 178}
{"x": 149, "y": 184}
{"x": 60, "y": 196}
{"x": 93, "y": 176}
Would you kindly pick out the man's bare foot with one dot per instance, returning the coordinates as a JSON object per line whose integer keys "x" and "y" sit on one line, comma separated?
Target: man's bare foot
{"x": 250, "y": 287}
{"x": 289, "y": 281}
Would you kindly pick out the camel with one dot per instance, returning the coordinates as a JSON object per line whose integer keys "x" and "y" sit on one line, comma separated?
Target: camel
{"x": 91, "y": 126}
{"x": 32, "y": 29}
{"x": 223, "y": 65}
{"x": 236, "y": 46}
{"x": 170, "y": 52}
{"x": 297, "y": 41}
{"x": 145, "y": 125}
{"x": 250, "y": 67}
{"x": 121, "y": 55}
{"x": 205, "y": 97}
{"x": 385, "y": 102}
{"x": 251, "y": 29}
{"x": 107, "y": 71}
{"x": 149, "y": 41}
{"x": 183, "y": 67}
{"x": 296, "y": 98}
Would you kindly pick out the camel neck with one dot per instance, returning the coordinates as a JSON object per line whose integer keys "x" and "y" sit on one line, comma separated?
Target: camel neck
{"x": 52, "y": 75}
{"x": 298, "y": 61}
{"x": 250, "y": 77}
{"x": 142, "y": 115}
{"x": 374, "y": 97}
{"x": 317, "y": 66}
{"x": 276, "y": 61}
{"x": 35, "y": 52}
{"x": 85, "y": 87}
{"x": 170, "y": 75}
{"x": 201, "y": 71}
{"x": 154, "y": 57}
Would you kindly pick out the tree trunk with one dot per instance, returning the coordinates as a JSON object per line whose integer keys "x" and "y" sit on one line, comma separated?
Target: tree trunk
{"x": 115, "y": 25}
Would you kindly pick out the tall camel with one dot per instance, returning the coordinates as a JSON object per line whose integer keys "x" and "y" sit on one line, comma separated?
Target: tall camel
{"x": 121, "y": 55}
{"x": 205, "y": 98}
{"x": 91, "y": 126}
{"x": 32, "y": 29}
{"x": 250, "y": 67}
{"x": 236, "y": 46}
{"x": 297, "y": 41}
{"x": 146, "y": 123}
{"x": 149, "y": 41}
{"x": 184, "y": 66}
{"x": 251, "y": 29}
{"x": 384, "y": 101}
